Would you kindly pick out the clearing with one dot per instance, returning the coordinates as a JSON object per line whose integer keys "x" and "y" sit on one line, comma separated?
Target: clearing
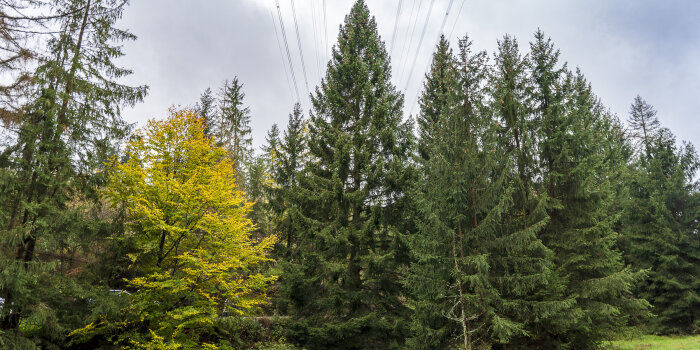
{"x": 655, "y": 342}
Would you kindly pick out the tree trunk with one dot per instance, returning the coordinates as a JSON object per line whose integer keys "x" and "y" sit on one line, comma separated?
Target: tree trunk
{"x": 463, "y": 317}
{"x": 62, "y": 121}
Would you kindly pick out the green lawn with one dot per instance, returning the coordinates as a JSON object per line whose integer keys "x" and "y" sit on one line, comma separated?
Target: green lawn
{"x": 653, "y": 342}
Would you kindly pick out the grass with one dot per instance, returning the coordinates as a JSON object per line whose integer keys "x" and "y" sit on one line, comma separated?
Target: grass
{"x": 655, "y": 342}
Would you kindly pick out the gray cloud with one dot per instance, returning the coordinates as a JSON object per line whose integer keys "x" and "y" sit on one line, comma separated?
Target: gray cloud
{"x": 624, "y": 48}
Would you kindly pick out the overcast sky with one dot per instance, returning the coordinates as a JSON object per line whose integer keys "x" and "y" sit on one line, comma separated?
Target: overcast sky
{"x": 624, "y": 48}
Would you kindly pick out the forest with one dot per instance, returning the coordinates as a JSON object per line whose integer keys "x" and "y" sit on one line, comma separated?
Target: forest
{"x": 513, "y": 211}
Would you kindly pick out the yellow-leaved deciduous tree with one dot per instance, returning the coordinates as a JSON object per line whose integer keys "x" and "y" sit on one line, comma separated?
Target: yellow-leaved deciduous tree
{"x": 188, "y": 220}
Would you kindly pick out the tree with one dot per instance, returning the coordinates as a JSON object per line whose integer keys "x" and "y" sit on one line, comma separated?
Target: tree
{"x": 271, "y": 150}
{"x": 581, "y": 167}
{"x": 188, "y": 218}
{"x": 233, "y": 127}
{"x": 261, "y": 185}
{"x": 342, "y": 287}
{"x": 436, "y": 91}
{"x": 259, "y": 180}
{"x": 50, "y": 206}
{"x": 206, "y": 109}
{"x": 289, "y": 160}
{"x": 448, "y": 276}
{"x": 25, "y": 29}
{"x": 292, "y": 149}
{"x": 521, "y": 268}
{"x": 644, "y": 124}
{"x": 660, "y": 224}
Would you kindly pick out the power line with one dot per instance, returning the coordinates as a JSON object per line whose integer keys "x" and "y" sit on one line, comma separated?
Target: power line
{"x": 407, "y": 49}
{"x": 301, "y": 54}
{"x": 444, "y": 20}
{"x": 313, "y": 21}
{"x": 457, "y": 19}
{"x": 442, "y": 27}
{"x": 284, "y": 65}
{"x": 396, "y": 22}
{"x": 286, "y": 47}
{"x": 415, "y": 57}
{"x": 325, "y": 29}
{"x": 413, "y": 22}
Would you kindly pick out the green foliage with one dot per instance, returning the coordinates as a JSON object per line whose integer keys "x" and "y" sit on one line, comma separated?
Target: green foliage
{"x": 205, "y": 109}
{"x": 227, "y": 122}
{"x": 259, "y": 181}
{"x": 516, "y": 207}
{"x": 660, "y": 226}
{"x": 448, "y": 277}
{"x": 233, "y": 126}
{"x": 525, "y": 216}
{"x": 341, "y": 283}
{"x": 51, "y": 218}
{"x": 438, "y": 94}
{"x": 263, "y": 333}
{"x": 581, "y": 166}
{"x": 287, "y": 156}
{"x": 521, "y": 264}
{"x": 644, "y": 125}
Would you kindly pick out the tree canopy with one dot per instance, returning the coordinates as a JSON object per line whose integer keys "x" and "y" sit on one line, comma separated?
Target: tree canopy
{"x": 520, "y": 213}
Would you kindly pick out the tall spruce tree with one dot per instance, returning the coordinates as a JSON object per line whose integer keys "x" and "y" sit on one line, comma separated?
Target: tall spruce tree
{"x": 644, "y": 125}
{"x": 439, "y": 86}
{"x": 660, "y": 225}
{"x": 288, "y": 159}
{"x": 50, "y": 213}
{"x": 293, "y": 149}
{"x": 343, "y": 288}
{"x": 233, "y": 126}
{"x": 271, "y": 149}
{"x": 520, "y": 266}
{"x": 448, "y": 277}
{"x": 430, "y": 279}
{"x": 580, "y": 167}
{"x": 262, "y": 189}
{"x": 206, "y": 108}
{"x": 258, "y": 179}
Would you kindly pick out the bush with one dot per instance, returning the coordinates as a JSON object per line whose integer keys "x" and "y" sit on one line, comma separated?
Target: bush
{"x": 260, "y": 333}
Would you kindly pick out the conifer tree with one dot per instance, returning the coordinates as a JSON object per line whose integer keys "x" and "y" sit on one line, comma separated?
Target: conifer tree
{"x": 288, "y": 159}
{"x": 660, "y": 225}
{"x": 448, "y": 277}
{"x": 258, "y": 180}
{"x": 293, "y": 149}
{"x": 233, "y": 126}
{"x": 271, "y": 149}
{"x": 521, "y": 267}
{"x": 51, "y": 173}
{"x": 644, "y": 125}
{"x": 436, "y": 92}
{"x": 581, "y": 166}
{"x": 430, "y": 279}
{"x": 20, "y": 49}
{"x": 343, "y": 288}
{"x": 206, "y": 109}
{"x": 261, "y": 185}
